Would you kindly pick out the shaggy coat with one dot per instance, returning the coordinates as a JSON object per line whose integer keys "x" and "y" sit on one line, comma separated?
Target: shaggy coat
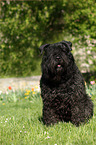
{"x": 62, "y": 86}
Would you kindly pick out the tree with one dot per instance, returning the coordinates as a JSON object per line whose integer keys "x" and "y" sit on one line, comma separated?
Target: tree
{"x": 80, "y": 22}
{"x": 25, "y": 25}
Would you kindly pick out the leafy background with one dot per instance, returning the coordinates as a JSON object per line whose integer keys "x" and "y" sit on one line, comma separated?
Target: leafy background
{"x": 26, "y": 25}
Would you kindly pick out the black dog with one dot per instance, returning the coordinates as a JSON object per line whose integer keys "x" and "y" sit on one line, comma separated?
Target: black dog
{"x": 62, "y": 86}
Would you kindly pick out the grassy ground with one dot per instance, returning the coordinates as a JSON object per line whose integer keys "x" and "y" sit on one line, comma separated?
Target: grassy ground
{"x": 21, "y": 123}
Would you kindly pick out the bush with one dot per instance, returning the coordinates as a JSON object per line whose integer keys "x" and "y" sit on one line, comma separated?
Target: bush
{"x": 25, "y": 25}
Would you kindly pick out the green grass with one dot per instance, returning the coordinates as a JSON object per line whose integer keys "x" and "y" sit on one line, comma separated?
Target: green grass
{"x": 21, "y": 123}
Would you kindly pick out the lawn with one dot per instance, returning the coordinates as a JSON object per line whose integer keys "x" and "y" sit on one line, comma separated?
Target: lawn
{"x": 21, "y": 122}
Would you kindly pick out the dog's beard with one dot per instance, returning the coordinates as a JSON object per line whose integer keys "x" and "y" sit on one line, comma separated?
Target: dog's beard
{"x": 59, "y": 68}
{"x": 53, "y": 70}
{"x": 56, "y": 71}
{"x": 59, "y": 72}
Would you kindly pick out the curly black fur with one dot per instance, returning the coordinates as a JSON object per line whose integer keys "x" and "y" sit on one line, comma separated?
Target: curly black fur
{"x": 62, "y": 86}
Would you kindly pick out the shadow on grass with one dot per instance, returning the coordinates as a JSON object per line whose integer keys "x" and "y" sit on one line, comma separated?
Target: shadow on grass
{"x": 41, "y": 119}
{"x": 89, "y": 76}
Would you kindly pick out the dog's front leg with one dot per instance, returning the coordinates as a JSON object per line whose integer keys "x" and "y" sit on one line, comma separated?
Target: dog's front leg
{"x": 49, "y": 116}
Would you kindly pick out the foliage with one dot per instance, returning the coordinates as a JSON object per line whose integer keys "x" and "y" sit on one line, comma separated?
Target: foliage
{"x": 18, "y": 95}
{"x": 91, "y": 89}
{"x": 81, "y": 25}
{"x": 85, "y": 53}
{"x": 21, "y": 123}
{"x": 25, "y": 25}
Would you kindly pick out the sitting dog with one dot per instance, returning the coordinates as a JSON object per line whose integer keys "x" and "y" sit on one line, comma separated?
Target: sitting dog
{"x": 62, "y": 86}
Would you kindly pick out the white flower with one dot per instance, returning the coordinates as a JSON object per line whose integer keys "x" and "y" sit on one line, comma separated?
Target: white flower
{"x": 7, "y": 93}
{"x": 47, "y": 137}
{"x": 44, "y": 132}
{"x": 0, "y": 92}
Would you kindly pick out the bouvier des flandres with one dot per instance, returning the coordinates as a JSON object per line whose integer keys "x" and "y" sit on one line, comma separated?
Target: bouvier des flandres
{"x": 62, "y": 86}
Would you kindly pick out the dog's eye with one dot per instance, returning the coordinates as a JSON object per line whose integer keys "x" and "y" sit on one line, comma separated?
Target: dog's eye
{"x": 65, "y": 50}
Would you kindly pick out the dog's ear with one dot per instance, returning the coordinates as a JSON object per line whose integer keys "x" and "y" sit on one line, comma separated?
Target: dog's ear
{"x": 68, "y": 44}
{"x": 43, "y": 47}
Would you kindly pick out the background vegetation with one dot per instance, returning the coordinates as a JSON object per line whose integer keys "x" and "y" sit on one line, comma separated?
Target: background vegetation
{"x": 26, "y": 25}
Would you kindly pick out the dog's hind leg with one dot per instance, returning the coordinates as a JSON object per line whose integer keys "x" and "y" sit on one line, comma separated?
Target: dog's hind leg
{"x": 82, "y": 111}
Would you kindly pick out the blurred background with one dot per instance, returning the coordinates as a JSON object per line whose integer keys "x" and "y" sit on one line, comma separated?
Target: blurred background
{"x": 26, "y": 25}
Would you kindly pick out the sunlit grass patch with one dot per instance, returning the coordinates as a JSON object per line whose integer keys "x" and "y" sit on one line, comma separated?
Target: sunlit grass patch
{"x": 21, "y": 121}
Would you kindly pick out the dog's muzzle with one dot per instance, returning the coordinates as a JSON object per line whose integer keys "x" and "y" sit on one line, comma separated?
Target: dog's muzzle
{"x": 59, "y": 62}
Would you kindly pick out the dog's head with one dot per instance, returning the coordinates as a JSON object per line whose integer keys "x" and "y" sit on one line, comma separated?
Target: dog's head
{"x": 57, "y": 58}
